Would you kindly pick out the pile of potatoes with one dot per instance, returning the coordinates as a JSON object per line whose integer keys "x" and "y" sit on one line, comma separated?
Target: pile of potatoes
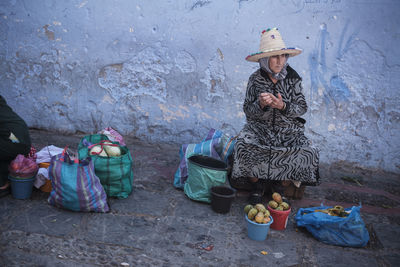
{"x": 277, "y": 203}
{"x": 257, "y": 213}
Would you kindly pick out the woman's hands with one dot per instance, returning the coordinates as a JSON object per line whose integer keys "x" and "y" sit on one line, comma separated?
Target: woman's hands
{"x": 268, "y": 99}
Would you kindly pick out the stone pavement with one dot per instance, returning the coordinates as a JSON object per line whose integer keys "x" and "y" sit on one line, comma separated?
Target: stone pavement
{"x": 157, "y": 225}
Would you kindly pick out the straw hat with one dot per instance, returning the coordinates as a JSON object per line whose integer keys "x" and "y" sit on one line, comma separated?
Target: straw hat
{"x": 271, "y": 45}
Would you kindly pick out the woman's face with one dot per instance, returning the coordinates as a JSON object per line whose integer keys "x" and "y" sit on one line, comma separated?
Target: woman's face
{"x": 276, "y": 63}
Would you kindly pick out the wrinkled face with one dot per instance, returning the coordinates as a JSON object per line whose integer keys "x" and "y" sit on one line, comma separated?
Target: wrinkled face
{"x": 276, "y": 63}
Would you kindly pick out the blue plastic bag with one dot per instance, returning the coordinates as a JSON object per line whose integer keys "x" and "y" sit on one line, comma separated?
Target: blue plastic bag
{"x": 347, "y": 231}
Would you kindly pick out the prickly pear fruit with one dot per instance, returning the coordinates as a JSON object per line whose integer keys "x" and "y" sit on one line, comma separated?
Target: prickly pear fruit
{"x": 259, "y": 217}
{"x": 266, "y": 220}
{"x": 284, "y": 205}
{"x": 267, "y": 213}
{"x": 260, "y": 207}
{"x": 248, "y": 208}
{"x": 273, "y": 204}
{"x": 279, "y": 207}
{"x": 277, "y": 197}
{"x": 252, "y": 213}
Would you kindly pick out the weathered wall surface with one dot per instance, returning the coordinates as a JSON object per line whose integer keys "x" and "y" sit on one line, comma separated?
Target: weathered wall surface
{"x": 167, "y": 71}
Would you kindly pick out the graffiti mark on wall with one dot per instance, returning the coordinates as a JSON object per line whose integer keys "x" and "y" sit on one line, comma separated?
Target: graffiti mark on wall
{"x": 335, "y": 88}
{"x": 199, "y": 3}
{"x": 322, "y": 1}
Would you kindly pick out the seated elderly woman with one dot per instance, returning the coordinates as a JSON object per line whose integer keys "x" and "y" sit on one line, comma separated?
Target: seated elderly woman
{"x": 272, "y": 149}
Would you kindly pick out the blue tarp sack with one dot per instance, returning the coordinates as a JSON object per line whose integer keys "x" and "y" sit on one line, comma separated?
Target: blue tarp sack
{"x": 349, "y": 231}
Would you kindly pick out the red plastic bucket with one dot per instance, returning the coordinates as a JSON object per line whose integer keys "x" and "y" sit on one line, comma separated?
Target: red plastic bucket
{"x": 280, "y": 218}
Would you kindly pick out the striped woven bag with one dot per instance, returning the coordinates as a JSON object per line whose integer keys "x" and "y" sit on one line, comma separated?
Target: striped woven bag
{"x": 75, "y": 185}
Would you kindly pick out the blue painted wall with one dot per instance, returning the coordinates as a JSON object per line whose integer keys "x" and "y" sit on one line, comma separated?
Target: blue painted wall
{"x": 167, "y": 71}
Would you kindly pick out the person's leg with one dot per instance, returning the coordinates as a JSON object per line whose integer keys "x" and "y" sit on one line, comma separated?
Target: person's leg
{"x": 3, "y": 173}
{"x": 253, "y": 180}
{"x": 4, "y": 184}
{"x": 258, "y": 189}
{"x": 4, "y": 161}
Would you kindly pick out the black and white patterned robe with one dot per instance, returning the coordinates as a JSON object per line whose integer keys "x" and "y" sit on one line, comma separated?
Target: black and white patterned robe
{"x": 272, "y": 144}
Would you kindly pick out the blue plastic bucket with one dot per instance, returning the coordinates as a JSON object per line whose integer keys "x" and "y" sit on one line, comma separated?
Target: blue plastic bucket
{"x": 257, "y": 231}
{"x": 21, "y": 188}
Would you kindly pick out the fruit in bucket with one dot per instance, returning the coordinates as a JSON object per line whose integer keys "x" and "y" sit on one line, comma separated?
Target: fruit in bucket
{"x": 273, "y": 204}
{"x": 276, "y": 205}
{"x": 252, "y": 213}
{"x": 257, "y": 213}
{"x": 277, "y": 197}
{"x": 267, "y": 220}
{"x": 260, "y": 207}
{"x": 259, "y": 217}
{"x": 267, "y": 213}
{"x": 284, "y": 205}
{"x": 247, "y": 208}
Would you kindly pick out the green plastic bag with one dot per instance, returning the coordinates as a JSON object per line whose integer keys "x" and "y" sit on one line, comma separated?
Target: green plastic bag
{"x": 203, "y": 173}
{"x": 115, "y": 173}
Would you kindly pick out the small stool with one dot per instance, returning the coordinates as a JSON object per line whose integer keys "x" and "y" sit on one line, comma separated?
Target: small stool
{"x": 293, "y": 192}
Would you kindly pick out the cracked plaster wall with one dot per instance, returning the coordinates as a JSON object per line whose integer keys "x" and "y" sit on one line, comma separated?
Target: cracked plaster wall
{"x": 167, "y": 71}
